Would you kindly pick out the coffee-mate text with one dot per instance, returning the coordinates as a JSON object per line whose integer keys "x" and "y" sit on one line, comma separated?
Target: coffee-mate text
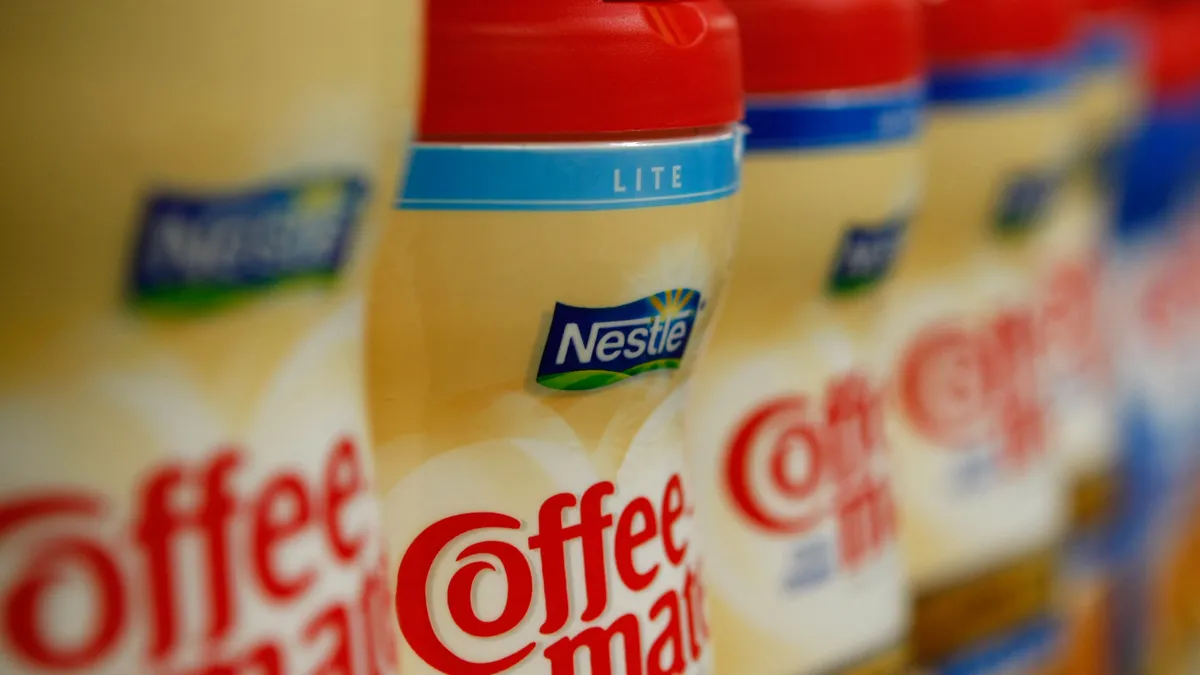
{"x": 962, "y": 386}
{"x": 608, "y": 543}
{"x": 1068, "y": 319}
{"x": 819, "y": 466}
{"x": 253, "y": 545}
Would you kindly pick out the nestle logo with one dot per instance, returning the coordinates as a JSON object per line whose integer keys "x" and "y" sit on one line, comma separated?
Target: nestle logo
{"x": 1027, "y": 198}
{"x": 866, "y": 256}
{"x": 593, "y": 347}
{"x": 197, "y": 251}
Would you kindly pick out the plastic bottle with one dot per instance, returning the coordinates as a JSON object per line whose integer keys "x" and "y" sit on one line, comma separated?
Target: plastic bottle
{"x": 793, "y": 478}
{"x": 981, "y": 501}
{"x": 563, "y": 233}
{"x": 1076, "y": 361}
{"x": 1152, "y": 292}
{"x": 184, "y": 483}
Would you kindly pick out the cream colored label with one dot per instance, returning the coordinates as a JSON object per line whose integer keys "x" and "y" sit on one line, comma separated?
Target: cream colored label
{"x": 793, "y": 476}
{"x": 1075, "y": 360}
{"x": 966, "y": 410}
{"x": 186, "y": 486}
{"x": 527, "y": 362}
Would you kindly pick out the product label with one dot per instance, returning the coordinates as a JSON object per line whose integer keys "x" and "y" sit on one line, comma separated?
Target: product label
{"x": 866, "y": 256}
{"x": 571, "y": 177}
{"x": 255, "y": 570}
{"x": 589, "y": 348}
{"x": 1075, "y": 364}
{"x": 1074, "y": 349}
{"x": 1026, "y": 199}
{"x": 543, "y": 586}
{"x": 197, "y": 251}
{"x": 532, "y": 531}
{"x": 795, "y": 464}
{"x": 973, "y": 391}
{"x": 981, "y": 489}
{"x": 786, "y": 412}
{"x": 803, "y": 503}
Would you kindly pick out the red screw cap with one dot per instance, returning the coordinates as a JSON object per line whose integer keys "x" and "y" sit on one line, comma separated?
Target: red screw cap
{"x": 963, "y": 32}
{"x": 579, "y": 67}
{"x": 1104, "y": 7}
{"x": 1173, "y": 48}
{"x": 818, "y": 45}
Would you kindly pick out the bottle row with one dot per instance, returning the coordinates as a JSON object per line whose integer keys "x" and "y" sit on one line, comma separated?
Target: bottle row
{"x": 598, "y": 337}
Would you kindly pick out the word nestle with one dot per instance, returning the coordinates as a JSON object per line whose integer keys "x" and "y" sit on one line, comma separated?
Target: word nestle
{"x": 789, "y": 450}
{"x": 273, "y": 546}
{"x": 608, "y": 543}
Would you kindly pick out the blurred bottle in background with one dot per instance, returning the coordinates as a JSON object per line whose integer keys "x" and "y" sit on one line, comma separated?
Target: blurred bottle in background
{"x": 981, "y": 500}
{"x": 785, "y": 424}
{"x": 1151, "y": 288}
{"x": 1075, "y": 358}
{"x": 1189, "y": 548}
{"x": 186, "y": 192}
{"x": 565, "y": 229}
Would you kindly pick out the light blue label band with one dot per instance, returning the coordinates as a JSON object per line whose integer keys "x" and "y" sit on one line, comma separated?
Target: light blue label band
{"x": 999, "y": 82}
{"x": 832, "y": 120}
{"x": 1105, "y": 46}
{"x": 572, "y": 176}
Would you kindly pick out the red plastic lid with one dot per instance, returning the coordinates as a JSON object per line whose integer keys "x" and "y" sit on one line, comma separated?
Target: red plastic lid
{"x": 579, "y": 67}
{"x": 1173, "y": 47}
{"x": 814, "y": 45}
{"x": 969, "y": 31}
{"x": 1103, "y": 7}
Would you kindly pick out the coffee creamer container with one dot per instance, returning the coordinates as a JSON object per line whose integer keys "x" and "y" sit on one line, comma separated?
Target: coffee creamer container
{"x": 1075, "y": 359}
{"x": 1152, "y": 287}
{"x": 185, "y": 480}
{"x": 544, "y": 288}
{"x": 980, "y": 499}
{"x": 793, "y": 478}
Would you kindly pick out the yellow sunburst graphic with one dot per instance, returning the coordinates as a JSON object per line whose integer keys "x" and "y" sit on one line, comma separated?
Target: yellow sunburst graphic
{"x": 323, "y": 197}
{"x": 671, "y": 303}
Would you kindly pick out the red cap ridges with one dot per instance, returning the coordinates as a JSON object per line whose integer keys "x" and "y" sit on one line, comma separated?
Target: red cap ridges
{"x": 529, "y": 68}
{"x": 792, "y": 46}
{"x": 964, "y": 32}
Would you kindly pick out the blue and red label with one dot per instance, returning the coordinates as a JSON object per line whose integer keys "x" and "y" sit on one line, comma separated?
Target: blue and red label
{"x": 867, "y": 255}
{"x": 198, "y": 250}
{"x": 594, "y": 347}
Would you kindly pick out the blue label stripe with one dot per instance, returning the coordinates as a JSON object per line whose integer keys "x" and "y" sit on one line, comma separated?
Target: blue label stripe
{"x": 833, "y": 120}
{"x": 571, "y": 177}
{"x": 1028, "y": 646}
{"x": 999, "y": 82}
